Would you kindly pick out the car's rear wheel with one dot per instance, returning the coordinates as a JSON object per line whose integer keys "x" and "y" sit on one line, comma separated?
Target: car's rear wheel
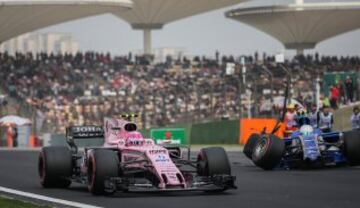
{"x": 352, "y": 147}
{"x": 103, "y": 165}
{"x": 249, "y": 146}
{"x": 55, "y": 167}
{"x": 268, "y": 151}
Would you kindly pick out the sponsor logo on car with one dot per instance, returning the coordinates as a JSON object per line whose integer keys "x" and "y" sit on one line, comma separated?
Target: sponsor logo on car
{"x": 82, "y": 129}
{"x": 162, "y": 159}
{"x": 158, "y": 151}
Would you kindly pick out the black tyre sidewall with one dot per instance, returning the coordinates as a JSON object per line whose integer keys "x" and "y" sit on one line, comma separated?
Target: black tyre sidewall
{"x": 55, "y": 167}
{"x": 352, "y": 147}
{"x": 213, "y": 161}
{"x": 103, "y": 164}
{"x": 249, "y": 146}
{"x": 272, "y": 154}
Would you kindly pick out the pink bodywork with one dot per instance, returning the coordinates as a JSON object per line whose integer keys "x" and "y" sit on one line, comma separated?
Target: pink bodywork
{"x": 136, "y": 148}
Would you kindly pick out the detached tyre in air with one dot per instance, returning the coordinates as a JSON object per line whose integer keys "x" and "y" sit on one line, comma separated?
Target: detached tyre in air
{"x": 352, "y": 147}
{"x": 55, "y": 167}
{"x": 103, "y": 165}
{"x": 268, "y": 151}
{"x": 250, "y": 144}
{"x": 213, "y": 161}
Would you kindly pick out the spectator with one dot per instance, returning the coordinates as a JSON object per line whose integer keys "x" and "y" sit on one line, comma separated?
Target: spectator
{"x": 314, "y": 115}
{"x": 335, "y": 94}
{"x": 349, "y": 89}
{"x": 309, "y": 101}
{"x": 325, "y": 119}
{"x": 15, "y": 136}
{"x": 83, "y": 88}
{"x": 342, "y": 93}
{"x": 355, "y": 118}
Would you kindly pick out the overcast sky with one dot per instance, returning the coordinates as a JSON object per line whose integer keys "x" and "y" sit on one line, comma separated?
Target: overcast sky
{"x": 202, "y": 34}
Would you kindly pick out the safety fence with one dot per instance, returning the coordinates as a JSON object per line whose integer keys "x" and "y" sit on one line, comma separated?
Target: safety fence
{"x": 217, "y": 132}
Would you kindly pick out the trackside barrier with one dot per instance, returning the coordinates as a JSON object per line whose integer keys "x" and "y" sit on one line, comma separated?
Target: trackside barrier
{"x": 175, "y": 135}
{"x": 9, "y": 138}
{"x": 250, "y": 126}
{"x": 218, "y": 132}
{"x": 187, "y": 128}
{"x": 33, "y": 141}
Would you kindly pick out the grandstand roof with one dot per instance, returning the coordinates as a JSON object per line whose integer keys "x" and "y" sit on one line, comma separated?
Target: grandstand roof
{"x": 148, "y": 15}
{"x": 21, "y": 16}
{"x": 302, "y": 25}
{"x": 153, "y": 14}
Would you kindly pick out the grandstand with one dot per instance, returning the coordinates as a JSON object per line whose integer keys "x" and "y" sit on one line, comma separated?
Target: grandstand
{"x": 84, "y": 88}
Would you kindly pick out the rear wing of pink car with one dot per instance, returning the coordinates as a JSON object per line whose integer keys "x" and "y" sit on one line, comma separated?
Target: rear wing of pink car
{"x": 83, "y": 132}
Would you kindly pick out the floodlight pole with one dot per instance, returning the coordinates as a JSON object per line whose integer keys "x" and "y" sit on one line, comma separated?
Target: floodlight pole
{"x": 289, "y": 77}
{"x": 240, "y": 89}
{"x": 317, "y": 94}
{"x": 271, "y": 76}
{"x": 242, "y": 82}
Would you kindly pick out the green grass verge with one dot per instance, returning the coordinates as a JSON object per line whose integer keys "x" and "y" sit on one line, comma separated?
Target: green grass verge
{"x": 12, "y": 203}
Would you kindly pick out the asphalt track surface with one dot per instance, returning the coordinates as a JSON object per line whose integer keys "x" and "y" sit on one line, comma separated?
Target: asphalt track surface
{"x": 335, "y": 187}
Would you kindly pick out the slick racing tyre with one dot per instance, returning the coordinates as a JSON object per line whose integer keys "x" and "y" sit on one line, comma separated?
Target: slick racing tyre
{"x": 268, "y": 152}
{"x": 213, "y": 161}
{"x": 55, "y": 167}
{"x": 249, "y": 146}
{"x": 352, "y": 147}
{"x": 103, "y": 164}
{"x": 174, "y": 152}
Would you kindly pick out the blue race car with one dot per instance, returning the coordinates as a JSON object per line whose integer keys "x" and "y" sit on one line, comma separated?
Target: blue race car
{"x": 306, "y": 148}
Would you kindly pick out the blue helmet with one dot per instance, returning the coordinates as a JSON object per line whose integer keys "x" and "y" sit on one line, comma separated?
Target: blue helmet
{"x": 302, "y": 118}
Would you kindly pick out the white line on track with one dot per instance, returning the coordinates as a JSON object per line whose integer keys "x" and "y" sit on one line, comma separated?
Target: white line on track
{"x": 46, "y": 198}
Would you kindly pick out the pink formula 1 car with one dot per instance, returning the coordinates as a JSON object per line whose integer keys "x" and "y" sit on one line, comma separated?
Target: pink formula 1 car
{"x": 129, "y": 162}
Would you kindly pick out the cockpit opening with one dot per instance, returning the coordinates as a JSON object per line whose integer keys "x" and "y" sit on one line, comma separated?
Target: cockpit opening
{"x": 130, "y": 127}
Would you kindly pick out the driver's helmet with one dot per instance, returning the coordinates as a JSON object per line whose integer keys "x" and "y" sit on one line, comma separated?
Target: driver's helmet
{"x": 302, "y": 118}
{"x": 306, "y": 130}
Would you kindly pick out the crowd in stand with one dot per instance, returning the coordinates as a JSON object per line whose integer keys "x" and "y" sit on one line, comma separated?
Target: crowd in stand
{"x": 86, "y": 87}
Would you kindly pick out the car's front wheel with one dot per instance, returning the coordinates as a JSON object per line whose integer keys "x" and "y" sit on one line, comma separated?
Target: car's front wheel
{"x": 213, "y": 161}
{"x": 268, "y": 151}
{"x": 103, "y": 165}
{"x": 352, "y": 147}
{"x": 249, "y": 146}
